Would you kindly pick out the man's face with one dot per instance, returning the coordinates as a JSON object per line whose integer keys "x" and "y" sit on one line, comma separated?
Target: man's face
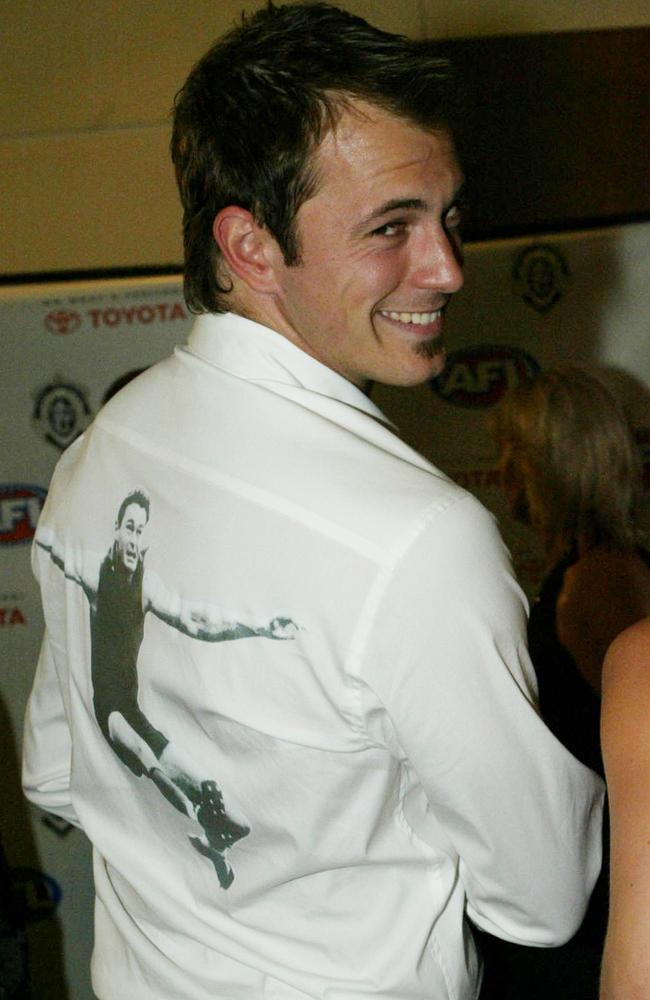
{"x": 128, "y": 536}
{"x": 380, "y": 252}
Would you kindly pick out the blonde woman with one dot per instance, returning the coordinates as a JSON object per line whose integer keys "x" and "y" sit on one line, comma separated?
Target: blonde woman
{"x": 571, "y": 471}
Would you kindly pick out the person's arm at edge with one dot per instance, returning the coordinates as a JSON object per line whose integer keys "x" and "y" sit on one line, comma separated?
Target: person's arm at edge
{"x": 625, "y": 736}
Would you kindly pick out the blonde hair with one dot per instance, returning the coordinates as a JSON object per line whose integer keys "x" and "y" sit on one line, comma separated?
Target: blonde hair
{"x": 570, "y": 443}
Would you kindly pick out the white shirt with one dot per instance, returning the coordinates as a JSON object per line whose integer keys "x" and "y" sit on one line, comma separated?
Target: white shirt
{"x": 381, "y": 747}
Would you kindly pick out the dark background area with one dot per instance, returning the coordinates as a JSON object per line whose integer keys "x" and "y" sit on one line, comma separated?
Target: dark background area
{"x": 556, "y": 131}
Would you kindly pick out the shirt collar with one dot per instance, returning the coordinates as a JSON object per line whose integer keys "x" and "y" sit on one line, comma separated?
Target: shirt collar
{"x": 257, "y": 353}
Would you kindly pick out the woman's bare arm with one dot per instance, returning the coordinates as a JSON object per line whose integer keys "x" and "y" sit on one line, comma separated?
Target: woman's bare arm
{"x": 625, "y": 735}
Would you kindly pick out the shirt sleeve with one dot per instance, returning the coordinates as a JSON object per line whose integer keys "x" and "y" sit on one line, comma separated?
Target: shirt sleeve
{"x": 46, "y": 742}
{"x": 445, "y": 656}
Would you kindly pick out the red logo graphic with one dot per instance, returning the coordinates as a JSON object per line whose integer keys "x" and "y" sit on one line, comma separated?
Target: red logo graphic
{"x": 162, "y": 312}
{"x": 20, "y": 507}
{"x": 63, "y": 321}
{"x": 11, "y": 616}
{"x": 477, "y": 377}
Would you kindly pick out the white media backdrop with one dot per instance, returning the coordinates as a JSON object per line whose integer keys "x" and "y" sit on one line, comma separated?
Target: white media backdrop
{"x": 66, "y": 346}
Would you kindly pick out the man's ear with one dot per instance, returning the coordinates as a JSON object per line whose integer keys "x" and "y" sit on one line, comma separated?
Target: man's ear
{"x": 248, "y": 250}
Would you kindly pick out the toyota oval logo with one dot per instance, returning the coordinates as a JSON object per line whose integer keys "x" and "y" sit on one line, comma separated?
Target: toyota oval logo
{"x": 63, "y": 321}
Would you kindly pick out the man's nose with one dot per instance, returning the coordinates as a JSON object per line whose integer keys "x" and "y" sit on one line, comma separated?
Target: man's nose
{"x": 439, "y": 262}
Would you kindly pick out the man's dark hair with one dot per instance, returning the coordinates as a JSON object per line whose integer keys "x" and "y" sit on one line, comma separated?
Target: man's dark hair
{"x": 138, "y": 497}
{"x": 262, "y": 99}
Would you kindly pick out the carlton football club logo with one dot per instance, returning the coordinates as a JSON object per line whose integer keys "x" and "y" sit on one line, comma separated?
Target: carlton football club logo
{"x": 477, "y": 377}
{"x": 62, "y": 321}
{"x": 540, "y": 275}
{"x": 62, "y": 413}
{"x": 20, "y": 508}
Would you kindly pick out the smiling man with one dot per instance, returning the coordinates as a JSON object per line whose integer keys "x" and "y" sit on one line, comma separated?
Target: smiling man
{"x": 380, "y": 251}
{"x": 391, "y": 778}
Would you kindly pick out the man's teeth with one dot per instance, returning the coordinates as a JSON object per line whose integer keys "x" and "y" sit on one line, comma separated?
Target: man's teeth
{"x": 419, "y": 319}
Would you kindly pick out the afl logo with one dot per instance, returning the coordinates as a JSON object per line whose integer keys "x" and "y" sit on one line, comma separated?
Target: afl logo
{"x": 62, "y": 412}
{"x": 62, "y": 321}
{"x": 39, "y": 893}
{"x": 477, "y": 377}
{"x": 540, "y": 274}
{"x": 20, "y": 507}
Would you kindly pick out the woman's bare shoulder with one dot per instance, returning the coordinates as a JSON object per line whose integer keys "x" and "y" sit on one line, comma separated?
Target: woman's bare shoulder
{"x": 631, "y": 649}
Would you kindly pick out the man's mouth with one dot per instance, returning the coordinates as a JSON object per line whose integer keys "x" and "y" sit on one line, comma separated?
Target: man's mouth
{"x": 413, "y": 318}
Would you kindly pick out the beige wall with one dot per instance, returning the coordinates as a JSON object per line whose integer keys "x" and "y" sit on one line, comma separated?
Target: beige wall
{"x": 87, "y": 86}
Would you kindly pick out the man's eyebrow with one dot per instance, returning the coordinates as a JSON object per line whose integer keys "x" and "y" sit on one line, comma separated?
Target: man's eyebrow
{"x": 391, "y": 206}
{"x": 397, "y": 204}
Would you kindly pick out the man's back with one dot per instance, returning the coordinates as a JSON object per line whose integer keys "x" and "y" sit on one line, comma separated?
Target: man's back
{"x": 340, "y": 734}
